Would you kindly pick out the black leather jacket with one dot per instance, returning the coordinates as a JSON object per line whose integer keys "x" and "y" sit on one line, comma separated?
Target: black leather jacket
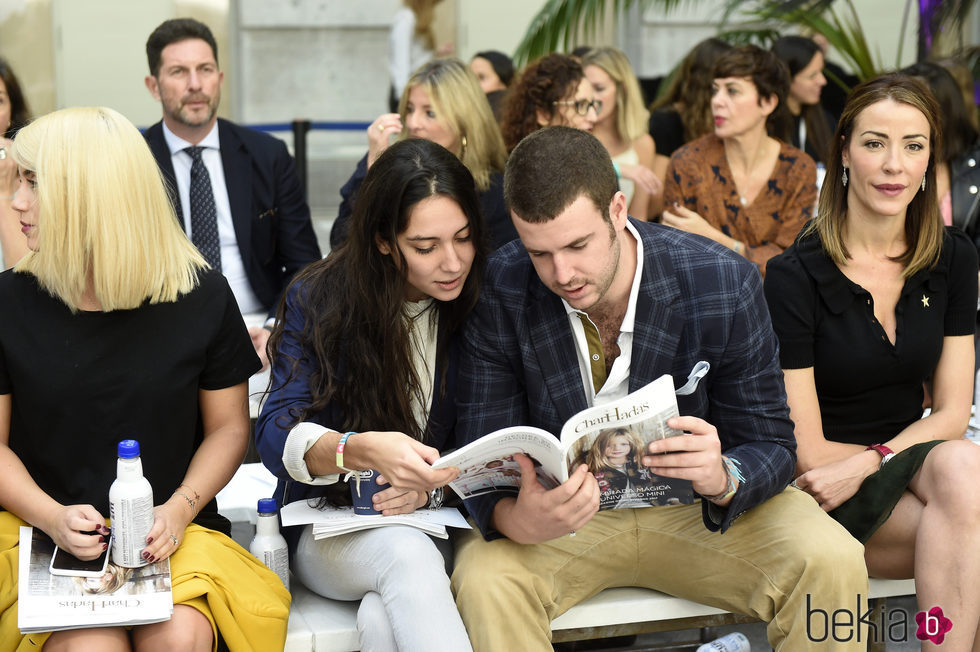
{"x": 964, "y": 181}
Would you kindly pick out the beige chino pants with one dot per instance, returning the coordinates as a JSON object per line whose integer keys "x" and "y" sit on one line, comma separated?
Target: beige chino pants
{"x": 766, "y": 565}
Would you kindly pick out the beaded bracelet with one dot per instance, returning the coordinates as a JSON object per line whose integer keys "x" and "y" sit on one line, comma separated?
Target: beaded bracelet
{"x": 733, "y": 473}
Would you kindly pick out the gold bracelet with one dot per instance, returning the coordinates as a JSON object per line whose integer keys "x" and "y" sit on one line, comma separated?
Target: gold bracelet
{"x": 197, "y": 496}
{"x": 192, "y": 503}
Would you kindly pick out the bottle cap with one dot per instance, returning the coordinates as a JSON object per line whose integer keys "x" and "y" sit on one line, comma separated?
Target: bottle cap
{"x": 267, "y": 506}
{"x": 128, "y": 449}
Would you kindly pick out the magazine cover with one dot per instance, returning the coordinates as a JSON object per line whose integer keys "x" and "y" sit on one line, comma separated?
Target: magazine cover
{"x": 121, "y": 596}
{"x": 610, "y": 439}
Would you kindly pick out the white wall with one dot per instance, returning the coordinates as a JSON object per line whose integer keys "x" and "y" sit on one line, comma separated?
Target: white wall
{"x": 100, "y": 54}
{"x": 492, "y": 25}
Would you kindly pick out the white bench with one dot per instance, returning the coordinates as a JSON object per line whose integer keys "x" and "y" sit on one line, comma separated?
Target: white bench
{"x": 317, "y": 624}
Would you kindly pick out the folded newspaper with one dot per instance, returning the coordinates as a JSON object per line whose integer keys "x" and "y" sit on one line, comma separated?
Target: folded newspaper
{"x": 331, "y": 521}
{"x": 610, "y": 439}
{"x": 122, "y": 596}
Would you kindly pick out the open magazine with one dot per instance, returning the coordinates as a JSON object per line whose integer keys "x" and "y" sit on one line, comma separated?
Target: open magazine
{"x": 122, "y": 596}
{"x": 331, "y": 521}
{"x": 610, "y": 439}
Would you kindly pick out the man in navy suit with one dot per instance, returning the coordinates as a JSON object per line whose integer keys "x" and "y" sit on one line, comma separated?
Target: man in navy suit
{"x": 264, "y": 232}
{"x": 589, "y": 306}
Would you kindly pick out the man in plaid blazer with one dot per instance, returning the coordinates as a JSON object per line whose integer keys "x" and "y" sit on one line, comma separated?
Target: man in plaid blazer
{"x": 660, "y": 300}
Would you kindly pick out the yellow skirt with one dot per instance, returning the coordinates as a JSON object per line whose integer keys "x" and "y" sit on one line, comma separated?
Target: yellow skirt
{"x": 241, "y": 598}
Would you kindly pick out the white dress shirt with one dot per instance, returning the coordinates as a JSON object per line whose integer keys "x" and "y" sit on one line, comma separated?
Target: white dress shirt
{"x": 617, "y": 383}
{"x": 232, "y": 265}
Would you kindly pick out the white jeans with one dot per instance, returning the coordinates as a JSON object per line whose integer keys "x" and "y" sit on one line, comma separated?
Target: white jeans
{"x": 399, "y": 575}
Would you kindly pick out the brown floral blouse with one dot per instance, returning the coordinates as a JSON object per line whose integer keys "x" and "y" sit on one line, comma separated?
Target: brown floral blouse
{"x": 698, "y": 178}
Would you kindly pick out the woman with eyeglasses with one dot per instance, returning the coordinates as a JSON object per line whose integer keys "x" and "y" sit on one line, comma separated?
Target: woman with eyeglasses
{"x": 739, "y": 186}
{"x": 550, "y": 91}
{"x": 622, "y": 126}
{"x": 554, "y": 91}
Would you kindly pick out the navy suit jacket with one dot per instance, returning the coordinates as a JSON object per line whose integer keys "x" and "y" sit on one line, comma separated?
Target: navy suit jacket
{"x": 697, "y": 301}
{"x": 271, "y": 217}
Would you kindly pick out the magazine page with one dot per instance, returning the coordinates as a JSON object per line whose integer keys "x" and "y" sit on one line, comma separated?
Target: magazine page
{"x": 487, "y": 464}
{"x": 352, "y": 522}
{"x": 331, "y": 521}
{"x": 611, "y": 438}
{"x": 122, "y": 596}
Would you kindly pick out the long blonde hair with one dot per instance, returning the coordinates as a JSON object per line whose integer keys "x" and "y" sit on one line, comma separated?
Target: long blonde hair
{"x": 596, "y": 458}
{"x": 425, "y": 11}
{"x": 631, "y": 114}
{"x": 461, "y": 104}
{"x": 103, "y": 212}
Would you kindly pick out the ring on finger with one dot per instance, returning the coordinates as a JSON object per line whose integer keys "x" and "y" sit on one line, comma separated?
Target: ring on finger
{"x": 174, "y": 539}
{"x": 3, "y": 153}
{"x": 381, "y": 127}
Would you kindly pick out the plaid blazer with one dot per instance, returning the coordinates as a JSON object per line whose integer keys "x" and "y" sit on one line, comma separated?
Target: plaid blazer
{"x": 697, "y": 301}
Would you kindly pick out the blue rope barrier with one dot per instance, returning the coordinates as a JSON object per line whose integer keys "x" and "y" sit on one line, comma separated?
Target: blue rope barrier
{"x": 324, "y": 125}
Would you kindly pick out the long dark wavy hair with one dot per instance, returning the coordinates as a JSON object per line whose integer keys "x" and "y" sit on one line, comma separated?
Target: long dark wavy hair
{"x": 797, "y": 52}
{"x": 355, "y": 337}
{"x": 690, "y": 88}
{"x": 20, "y": 115}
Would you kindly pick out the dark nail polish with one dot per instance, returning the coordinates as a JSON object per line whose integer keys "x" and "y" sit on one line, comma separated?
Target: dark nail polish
{"x": 149, "y": 540}
{"x": 105, "y": 545}
{"x": 145, "y": 555}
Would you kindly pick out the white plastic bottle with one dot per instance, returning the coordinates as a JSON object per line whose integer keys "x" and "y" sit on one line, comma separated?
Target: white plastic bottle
{"x": 130, "y": 507}
{"x": 734, "y": 642}
{"x": 268, "y": 544}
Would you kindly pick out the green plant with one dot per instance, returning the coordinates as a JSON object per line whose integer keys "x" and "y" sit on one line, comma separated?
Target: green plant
{"x": 560, "y": 22}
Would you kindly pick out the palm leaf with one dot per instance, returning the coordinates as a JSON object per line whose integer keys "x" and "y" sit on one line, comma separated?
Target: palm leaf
{"x": 843, "y": 33}
{"x": 559, "y": 22}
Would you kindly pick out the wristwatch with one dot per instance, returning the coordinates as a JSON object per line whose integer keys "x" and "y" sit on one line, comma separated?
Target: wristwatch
{"x": 885, "y": 452}
{"x": 435, "y": 498}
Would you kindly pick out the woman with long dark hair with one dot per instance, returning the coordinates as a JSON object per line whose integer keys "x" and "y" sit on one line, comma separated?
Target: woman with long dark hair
{"x": 14, "y": 114}
{"x": 807, "y": 126}
{"x": 365, "y": 344}
{"x": 683, "y": 112}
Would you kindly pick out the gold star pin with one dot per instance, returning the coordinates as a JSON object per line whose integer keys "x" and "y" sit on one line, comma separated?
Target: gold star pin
{"x": 925, "y": 301}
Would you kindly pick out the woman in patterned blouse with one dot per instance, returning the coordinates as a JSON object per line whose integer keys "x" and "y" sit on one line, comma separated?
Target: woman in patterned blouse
{"x": 739, "y": 186}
